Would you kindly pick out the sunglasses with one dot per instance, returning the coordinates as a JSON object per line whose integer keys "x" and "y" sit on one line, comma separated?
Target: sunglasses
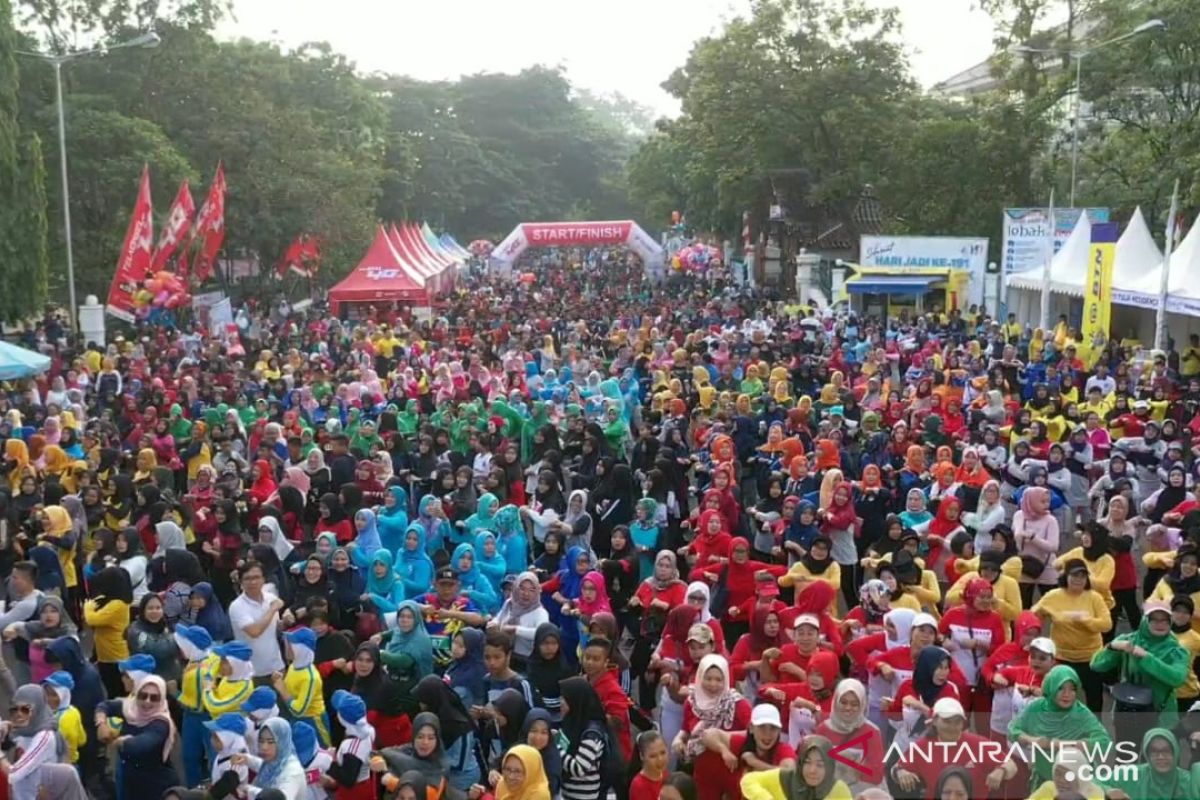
{"x": 25, "y": 709}
{"x": 146, "y": 697}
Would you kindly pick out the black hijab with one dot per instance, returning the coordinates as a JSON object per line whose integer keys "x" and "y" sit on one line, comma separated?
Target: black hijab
{"x": 333, "y": 504}
{"x": 437, "y": 697}
{"x": 111, "y": 583}
{"x": 584, "y": 710}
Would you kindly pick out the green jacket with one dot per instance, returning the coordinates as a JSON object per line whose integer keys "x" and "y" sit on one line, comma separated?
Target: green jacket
{"x": 1163, "y": 669}
{"x": 1149, "y": 784}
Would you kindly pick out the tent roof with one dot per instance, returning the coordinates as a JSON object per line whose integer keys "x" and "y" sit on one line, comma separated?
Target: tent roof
{"x": 1184, "y": 277}
{"x": 416, "y": 240}
{"x": 418, "y": 269}
{"x": 1137, "y": 254}
{"x": 1068, "y": 268}
{"x": 17, "y": 362}
{"x": 452, "y": 244}
{"x": 381, "y": 275}
{"x": 439, "y": 245}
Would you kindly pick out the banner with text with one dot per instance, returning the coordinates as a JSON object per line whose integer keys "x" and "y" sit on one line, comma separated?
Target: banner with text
{"x": 1025, "y": 231}
{"x": 1097, "y": 292}
{"x": 952, "y": 252}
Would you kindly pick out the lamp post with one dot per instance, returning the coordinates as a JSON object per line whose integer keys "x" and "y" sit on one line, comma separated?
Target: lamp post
{"x": 1077, "y": 56}
{"x": 57, "y": 61}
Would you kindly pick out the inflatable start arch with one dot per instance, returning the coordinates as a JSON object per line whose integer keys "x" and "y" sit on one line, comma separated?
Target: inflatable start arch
{"x": 580, "y": 234}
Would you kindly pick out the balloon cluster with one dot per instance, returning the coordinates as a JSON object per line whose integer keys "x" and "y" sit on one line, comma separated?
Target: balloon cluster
{"x": 161, "y": 292}
{"x": 481, "y": 247}
{"x": 696, "y": 257}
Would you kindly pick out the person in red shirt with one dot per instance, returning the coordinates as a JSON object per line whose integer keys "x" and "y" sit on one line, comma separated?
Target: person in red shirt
{"x": 754, "y": 651}
{"x": 972, "y": 631}
{"x": 598, "y": 668}
{"x": 915, "y": 697}
{"x": 848, "y": 723}
{"x": 710, "y": 548}
{"x": 766, "y": 595}
{"x": 740, "y": 576}
{"x": 713, "y": 703}
{"x": 795, "y": 656}
{"x": 813, "y": 696}
{"x": 718, "y": 770}
{"x": 920, "y": 764}
{"x": 651, "y": 754}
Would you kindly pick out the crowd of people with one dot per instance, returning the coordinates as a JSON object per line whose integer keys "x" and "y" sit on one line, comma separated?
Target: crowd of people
{"x": 587, "y": 536}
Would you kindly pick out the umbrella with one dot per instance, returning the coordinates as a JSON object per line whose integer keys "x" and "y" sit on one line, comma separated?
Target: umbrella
{"x": 17, "y": 362}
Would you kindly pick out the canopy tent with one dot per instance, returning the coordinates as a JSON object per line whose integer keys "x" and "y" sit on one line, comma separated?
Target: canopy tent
{"x": 446, "y": 265}
{"x": 438, "y": 246}
{"x": 452, "y": 245}
{"x": 891, "y": 284}
{"x": 1138, "y": 263}
{"x": 17, "y": 362}
{"x": 433, "y": 266}
{"x": 1068, "y": 268}
{"x": 420, "y": 271}
{"x": 1183, "y": 280}
{"x": 382, "y": 275}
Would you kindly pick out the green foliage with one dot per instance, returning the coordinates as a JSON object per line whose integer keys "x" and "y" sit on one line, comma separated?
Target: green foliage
{"x": 23, "y": 259}
{"x": 72, "y": 24}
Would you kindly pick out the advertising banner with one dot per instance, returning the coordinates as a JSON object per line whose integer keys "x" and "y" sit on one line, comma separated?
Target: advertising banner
{"x": 954, "y": 252}
{"x": 133, "y": 266}
{"x": 1097, "y": 291}
{"x": 1025, "y": 231}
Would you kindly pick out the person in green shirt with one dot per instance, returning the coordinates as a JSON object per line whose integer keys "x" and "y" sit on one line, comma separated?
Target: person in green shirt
{"x": 1158, "y": 778}
{"x": 1056, "y": 717}
{"x": 1150, "y": 656}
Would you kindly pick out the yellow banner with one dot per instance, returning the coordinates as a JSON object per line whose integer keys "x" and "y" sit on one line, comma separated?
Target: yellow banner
{"x": 1097, "y": 291}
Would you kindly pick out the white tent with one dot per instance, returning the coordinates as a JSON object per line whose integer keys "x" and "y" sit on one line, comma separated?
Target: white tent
{"x": 1183, "y": 283}
{"x": 1068, "y": 268}
{"x": 1138, "y": 263}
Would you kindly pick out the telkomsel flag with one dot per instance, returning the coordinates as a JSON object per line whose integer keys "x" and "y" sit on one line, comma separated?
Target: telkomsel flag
{"x": 179, "y": 222}
{"x": 1097, "y": 292}
{"x": 210, "y": 227}
{"x": 303, "y": 256}
{"x": 134, "y": 264}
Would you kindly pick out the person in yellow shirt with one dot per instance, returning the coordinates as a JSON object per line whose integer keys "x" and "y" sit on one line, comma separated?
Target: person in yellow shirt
{"x": 197, "y": 451}
{"x": 107, "y": 614}
{"x": 1183, "y": 576}
{"x": 1079, "y": 617}
{"x": 58, "y": 687}
{"x": 813, "y": 776}
{"x": 817, "y": 565}
{"x": 1183, "y": 609}
{"x": 1102, "y": 567}
{"x": 301, "y": 688}
{"x": 1006, "y": 591}
{"x": 226, "y": 693}
{"x": 202, "y": 667}
{"x": 1065, "y": 780}
{"x": 58, "y": 531}
{"x": 1189, "y": 359}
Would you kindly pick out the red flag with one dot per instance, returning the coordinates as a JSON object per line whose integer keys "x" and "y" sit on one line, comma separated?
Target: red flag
{"x": 303, "y": 256}
{"x": 210, "y": 226}
{"x": 179, "y": 222}
{"x": 134, "y": 265}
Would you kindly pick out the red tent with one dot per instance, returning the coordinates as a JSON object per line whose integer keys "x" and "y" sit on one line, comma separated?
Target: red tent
{"x": 381, "y": 276}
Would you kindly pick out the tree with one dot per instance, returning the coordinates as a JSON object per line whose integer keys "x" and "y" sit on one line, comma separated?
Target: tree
{"x": 72, "y": 24}
{"x": 23, "y": 260}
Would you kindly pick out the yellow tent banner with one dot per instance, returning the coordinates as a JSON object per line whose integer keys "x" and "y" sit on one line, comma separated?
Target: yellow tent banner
{"x": 1097, "y": 292}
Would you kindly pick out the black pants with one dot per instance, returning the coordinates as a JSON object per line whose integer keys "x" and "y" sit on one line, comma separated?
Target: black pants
{"x": 850, "y": 583}
{"x": 1127, "y": 604}
{"x": 1027, "y": 593}
{"x": 1093, "y": 685}
{"x": 110, "y": 676}
{"x": 1150, "y": 582}
{"x": 639, "y": 659}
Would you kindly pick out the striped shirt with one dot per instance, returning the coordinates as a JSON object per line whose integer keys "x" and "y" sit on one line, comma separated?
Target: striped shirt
{"x": 581, "y": 770}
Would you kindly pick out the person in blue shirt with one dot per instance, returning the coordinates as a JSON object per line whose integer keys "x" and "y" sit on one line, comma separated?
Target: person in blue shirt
{"x": 392, "y": 519}
{"x": 414, "y": 566}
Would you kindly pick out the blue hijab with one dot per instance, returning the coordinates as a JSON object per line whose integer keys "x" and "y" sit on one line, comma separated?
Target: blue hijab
{"x": 415, "y": 566}
{"x": 570, "y": 582}
{"x": 377, "y": 585}
{"x": 367, "y": 540}
{"x": 493, "y": 567}
{"x": 472, "y": 577}
{"x": 212, "y": 617}
{"x": 393, "y": 522}
{"x": 269, "y": 772}
{"x": 415, "y": 644}
{"x": 800, "y": 533}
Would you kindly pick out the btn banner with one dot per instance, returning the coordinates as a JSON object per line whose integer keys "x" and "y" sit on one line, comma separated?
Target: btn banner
{"x": 1097, "y": 292}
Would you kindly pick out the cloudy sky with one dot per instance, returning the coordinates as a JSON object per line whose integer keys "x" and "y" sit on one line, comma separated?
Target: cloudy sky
{"x": 627, "y": 46}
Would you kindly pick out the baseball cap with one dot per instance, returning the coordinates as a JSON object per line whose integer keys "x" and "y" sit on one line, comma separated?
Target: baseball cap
{"x": 700, "y": 632}
{"x": 1156, "y": 605}
{"x": 948, "y": 708}
{"x": 924, "y": 619}
{"x": 808, "y": 619}
{"x": 1045, "y": 645}
{"x": 446, "y": 574}
{"x": 767, "y": 587}
{"x": 1141, "y": 404}
{"x": 764, "y": 714}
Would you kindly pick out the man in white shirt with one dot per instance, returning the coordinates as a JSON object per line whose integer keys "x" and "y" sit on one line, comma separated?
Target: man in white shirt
{"x": 254, "y": 616}
{"x": 1101, "y": 380}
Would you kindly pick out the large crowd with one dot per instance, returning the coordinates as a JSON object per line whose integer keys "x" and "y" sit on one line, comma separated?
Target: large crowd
{"x": 586, "y": 536}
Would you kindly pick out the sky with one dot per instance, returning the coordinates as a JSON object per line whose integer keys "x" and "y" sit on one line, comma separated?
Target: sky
{"x": 625, "y": 46}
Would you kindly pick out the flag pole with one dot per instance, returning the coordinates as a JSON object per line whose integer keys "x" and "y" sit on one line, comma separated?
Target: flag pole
{"x": 1160, "y": 317}
{"x": 1049, "y": 248}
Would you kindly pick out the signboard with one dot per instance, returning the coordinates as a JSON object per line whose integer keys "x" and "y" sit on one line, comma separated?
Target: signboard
{"x": 1025, "y": 231}
{"x": 1097, "y": 291}
{"x": 954, "y": 252}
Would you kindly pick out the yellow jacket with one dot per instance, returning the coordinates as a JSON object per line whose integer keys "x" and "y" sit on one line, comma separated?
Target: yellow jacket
{"x": 1047, "y": 791}
{"x": 1163, "y": 594}
{"x": 191, "y": 684}
{"x": 70, "y": 727}
{"x": 1078, "y": 620}
{"x": 108, "y": 624}
{"x": 1006, "y": 591}
{"x": 226, "y": 697}
{"x": 1011, "y": 567}
{"x": 1191, "y": 641}
{"x": 62, "y": 525}
{"x": 307, "y": 691}
{"x": 832, "y": 575}
{"x": 766, "y": 785}
{"x": 923, "y": 597}
{"x": 1100, "y": 572}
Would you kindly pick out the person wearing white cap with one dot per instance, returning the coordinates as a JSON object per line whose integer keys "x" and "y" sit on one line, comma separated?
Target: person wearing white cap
{"x": 1150, "y": 656}
{"x": 1016, "y": 681}
{"x": 728, "y": 755}
{"x": 920, "y": 764}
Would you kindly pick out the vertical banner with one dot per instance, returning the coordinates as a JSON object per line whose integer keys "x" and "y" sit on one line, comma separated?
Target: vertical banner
{"x": 1097, "y": 292}
{"x": 133, "y": 266}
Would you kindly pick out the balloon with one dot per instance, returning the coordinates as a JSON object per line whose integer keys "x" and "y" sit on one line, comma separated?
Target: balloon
{"x": 161, "y": 298}
{"x": 175, "y": 300}
{"x": 142, "y": 298}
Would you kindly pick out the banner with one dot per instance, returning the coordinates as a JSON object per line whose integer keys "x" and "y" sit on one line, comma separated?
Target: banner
{"x": 303, "y": 256}
{"x": 179, "y": 222}
{"x": 134, "y": 264}
{"x": 1097, "y": 291}
{"x": 578, "y": 234}
{"x": 1026, "y": 229}
{"x": 210, "y": 227}
{"x": 952, "y": 252}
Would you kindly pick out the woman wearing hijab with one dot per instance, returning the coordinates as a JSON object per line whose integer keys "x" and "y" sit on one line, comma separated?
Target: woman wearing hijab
{"x": 311, "y": 589}
{"x": 713, "y": 705}
{"x": 276, "y": 765}
{"x": 753, "y": 654}
{"x": 1035, "y": 531}
{"x": 848, "y": 729}
{"x": 813, "y": 778}
{"x": 547, "y": 667}
{"x": 407, "y": 649}
{"x": 522, "y": 614}
{"x": 538, "y": 732}
{"x": 347, "y": 585}
{"x": 523, "y": 775}
{"x": 149, "y": 634}
{"x": 332, "y": 518}
{"x": 366, "y": 544}
{"x": 1150, "y": 656}
{"x": 1058, "y": 716}
{"x": 388, "y": 706}
{"x": 107, "y": 614}
{"x": 913, "y": 702}
{"x": 147, "y": 736}
{"x": 392, "y": 518}
{"x": 611, "y": 503}
{"x": 587, "y": 739}
{"x": 655, "y": 597}
{"x": 490, "y": 561}
{"x": 466, "y": 671}
{"x": 35, "y": 732}
{"x": 457, "y": 729}
{"x": 972, "y": 631}
{"x": 51, "y": 622}
{"x": 207, "y": 612}
{"x": 424, "y": 757}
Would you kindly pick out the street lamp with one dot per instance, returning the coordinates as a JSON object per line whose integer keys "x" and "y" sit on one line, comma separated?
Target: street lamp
{"x": 1078, "y": 56}
{"x": 145, "y": 40}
